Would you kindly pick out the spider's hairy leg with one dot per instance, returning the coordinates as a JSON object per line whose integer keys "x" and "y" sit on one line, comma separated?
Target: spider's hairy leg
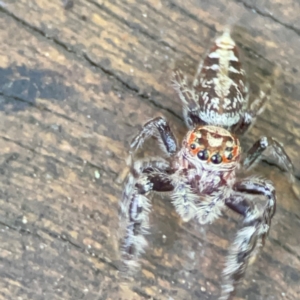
{"x": 199, "y": 70}
{"x": 160, "y": 129}
{"x": 256, "y": 108}
{"x": 189, "y": 99}
{"x": 251, "y": 237}
{"x": 145, "y": 176}
{"x": 254, "y": 154}
{"x": 258, "y": 105}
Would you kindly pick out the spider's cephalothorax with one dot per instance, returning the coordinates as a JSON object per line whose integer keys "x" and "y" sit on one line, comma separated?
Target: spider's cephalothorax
{"x": 201, "y": 175}
{"x": 214, "y": 146}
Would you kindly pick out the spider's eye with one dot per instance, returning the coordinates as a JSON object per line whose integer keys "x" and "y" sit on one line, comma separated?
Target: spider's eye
{"x": 193, "y": 146}
{"x": 203, "y": 154}
{"x": 229, "y": 157}
{"x": 216, "y": 158}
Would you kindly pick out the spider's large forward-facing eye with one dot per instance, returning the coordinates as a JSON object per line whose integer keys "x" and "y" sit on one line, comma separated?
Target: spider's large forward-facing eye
{"x": 216, "y": 158}
{"x": 203, "y": 154}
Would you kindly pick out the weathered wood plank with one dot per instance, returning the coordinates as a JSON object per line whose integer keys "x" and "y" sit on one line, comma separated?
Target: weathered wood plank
{"x": 75, "y": 85}
{"x": 140, "y": 43}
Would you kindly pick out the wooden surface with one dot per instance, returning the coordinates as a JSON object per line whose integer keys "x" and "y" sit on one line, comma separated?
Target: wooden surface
{"x": 77, "y": 80}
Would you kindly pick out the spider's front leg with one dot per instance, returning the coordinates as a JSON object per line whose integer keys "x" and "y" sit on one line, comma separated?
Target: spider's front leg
{"x": 160, "y": 129}
{"x": 254, "y": 154}
{"x": 252, "y": 236}
{"x": 145, "y": 176}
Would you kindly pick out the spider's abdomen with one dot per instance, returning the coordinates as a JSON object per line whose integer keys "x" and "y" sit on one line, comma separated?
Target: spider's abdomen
{"x": 221, "y": 85}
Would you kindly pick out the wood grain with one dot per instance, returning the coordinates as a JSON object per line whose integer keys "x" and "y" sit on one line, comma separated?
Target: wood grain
{"x": 75, "y": 85}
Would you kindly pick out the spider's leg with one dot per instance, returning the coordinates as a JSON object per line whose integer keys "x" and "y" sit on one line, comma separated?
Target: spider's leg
{"x": 254, "y": 154}
{"x": 189, "y": 98}
{"x": 145, "y": 176}
{"x": 251, "y": 237}
{"x": 197, "y": 76}
{"x": 160, "y": 129}
{"x": 256, "y": 108}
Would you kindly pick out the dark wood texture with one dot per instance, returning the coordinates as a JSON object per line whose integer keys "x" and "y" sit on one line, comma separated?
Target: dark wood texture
{"x": 77, "y": 80}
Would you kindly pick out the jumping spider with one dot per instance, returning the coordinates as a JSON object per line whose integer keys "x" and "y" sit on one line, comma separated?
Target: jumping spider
{"x": 201, "y": 176}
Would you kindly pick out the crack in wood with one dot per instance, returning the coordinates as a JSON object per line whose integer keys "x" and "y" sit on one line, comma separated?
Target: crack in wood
{"x": 60, "y": 237}
{"x": 83, "y": 161}
{"x": 255, "y": 9}
{"x": 124, "y": 83}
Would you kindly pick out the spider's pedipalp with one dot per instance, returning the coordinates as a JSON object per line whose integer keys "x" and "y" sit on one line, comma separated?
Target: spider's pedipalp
{"x": 251, "y": 237}
{"x": 184, "y": 200}
{"x": 160, "y": 129}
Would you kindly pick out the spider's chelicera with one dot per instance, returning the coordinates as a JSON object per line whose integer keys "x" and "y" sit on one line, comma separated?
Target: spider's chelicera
{"x": 201, "y": 176}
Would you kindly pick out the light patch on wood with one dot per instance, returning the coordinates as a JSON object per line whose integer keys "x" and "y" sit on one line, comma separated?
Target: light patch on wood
{"x": 148, "y": 274}
{"x": 98, "y": 20}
